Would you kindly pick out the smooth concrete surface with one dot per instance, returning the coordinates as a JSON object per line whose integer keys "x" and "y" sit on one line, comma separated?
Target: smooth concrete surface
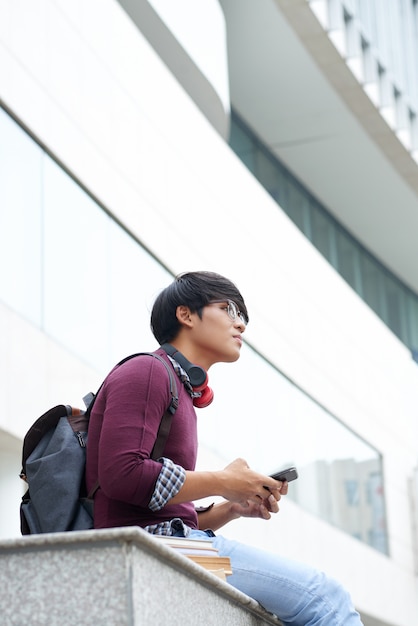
{"x": 113, "y": 577}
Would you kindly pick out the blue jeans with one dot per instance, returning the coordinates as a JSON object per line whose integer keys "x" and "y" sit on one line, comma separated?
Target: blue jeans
{"x": 299, "y": 595}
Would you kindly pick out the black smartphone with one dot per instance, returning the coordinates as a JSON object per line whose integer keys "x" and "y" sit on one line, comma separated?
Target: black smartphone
{"x": 286, "y": 474}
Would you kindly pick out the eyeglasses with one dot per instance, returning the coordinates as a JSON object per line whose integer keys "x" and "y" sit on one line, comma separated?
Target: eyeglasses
{"x": 232, "y": 310}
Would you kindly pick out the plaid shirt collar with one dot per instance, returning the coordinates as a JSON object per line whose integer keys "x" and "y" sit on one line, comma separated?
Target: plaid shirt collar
{"x": 182, "y": 374}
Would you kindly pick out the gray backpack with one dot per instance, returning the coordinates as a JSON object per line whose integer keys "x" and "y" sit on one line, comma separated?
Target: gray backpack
{"x": 53, "y": 464}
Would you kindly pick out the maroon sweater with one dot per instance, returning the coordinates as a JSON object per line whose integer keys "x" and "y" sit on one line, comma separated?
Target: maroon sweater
{"x": 122, "y": 432}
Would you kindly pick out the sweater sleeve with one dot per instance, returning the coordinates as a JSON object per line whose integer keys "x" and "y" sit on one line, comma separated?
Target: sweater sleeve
{"x": 134, "y": 399}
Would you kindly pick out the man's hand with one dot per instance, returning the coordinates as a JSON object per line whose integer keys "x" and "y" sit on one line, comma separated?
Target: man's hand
{"x": 240, "y": 484}
{"x": 262, "y": 510}
{"x": 220, "y": 514}
{"x": 236, "y": 483}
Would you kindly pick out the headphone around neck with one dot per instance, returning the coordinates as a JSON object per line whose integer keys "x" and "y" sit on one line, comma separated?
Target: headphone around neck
{"x": 198, "y": 376}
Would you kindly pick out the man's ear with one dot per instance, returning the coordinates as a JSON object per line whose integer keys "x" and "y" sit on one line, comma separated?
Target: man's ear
{"x": 184, "y": 315}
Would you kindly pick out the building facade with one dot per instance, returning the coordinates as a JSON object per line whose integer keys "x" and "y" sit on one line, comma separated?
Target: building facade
{"x": 277, "y": 143}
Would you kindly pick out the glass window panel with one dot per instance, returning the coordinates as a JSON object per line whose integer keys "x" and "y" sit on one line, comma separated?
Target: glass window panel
{"x": 395, "y": 305}
{"x": 75, "y": 267}
{"x": 279, "y": 190}
{"x": 298, "y": 208}
{"x": 242, "y": 144}
{"x": 273, "y": 429}
{"x": 352, "y": 492}
{"x": 249, "y": 158}
{"x": 348, "y": 260}
{"x": 267, "y": 172}
{"x": 412, "y": 317}
{"x": 377, "y": 525}
{"x": 239, "y": 139}
{"x": 372, "y": 284}
{"x": 20, "y": 220}
{"x": 321, "y": 232}
{"x": 135, "y": 279}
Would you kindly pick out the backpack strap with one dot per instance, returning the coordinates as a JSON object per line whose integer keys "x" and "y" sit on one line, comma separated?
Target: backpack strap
{"x": 165, "y": 424}
{"x": 90, "y": 398}
{"x": 174, "y": 403}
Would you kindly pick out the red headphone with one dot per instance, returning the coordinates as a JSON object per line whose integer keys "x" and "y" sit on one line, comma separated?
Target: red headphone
{"x": 199, "y": 378}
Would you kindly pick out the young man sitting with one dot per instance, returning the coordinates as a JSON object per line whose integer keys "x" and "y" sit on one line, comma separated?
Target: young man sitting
{"x": 198, "y": 319}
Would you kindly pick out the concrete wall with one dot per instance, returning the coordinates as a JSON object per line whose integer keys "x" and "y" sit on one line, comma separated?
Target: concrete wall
{"x": 120, "y": 577}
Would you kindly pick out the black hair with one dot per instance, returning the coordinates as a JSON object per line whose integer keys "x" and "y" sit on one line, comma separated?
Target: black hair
{"x": 195, "y": 290}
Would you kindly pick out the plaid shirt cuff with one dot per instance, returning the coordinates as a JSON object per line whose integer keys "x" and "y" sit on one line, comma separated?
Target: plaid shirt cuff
{"x": 169, "y": 483}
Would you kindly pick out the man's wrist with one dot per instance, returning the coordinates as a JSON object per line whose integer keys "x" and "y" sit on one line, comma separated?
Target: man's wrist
{"x": 235, "y": 510}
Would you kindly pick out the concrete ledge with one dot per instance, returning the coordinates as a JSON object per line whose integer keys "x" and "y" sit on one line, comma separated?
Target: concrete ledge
{"x": 114, "y": 577}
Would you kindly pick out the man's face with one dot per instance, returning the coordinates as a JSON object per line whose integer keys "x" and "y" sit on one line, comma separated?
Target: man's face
{"x": 217, "y": 335}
